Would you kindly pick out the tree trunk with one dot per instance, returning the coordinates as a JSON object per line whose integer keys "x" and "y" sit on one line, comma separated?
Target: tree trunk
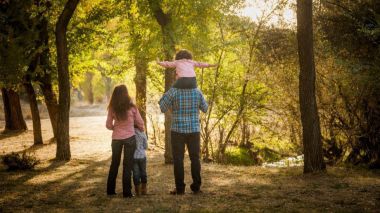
{"x": 50, "y": 101}
{"x": 239, "y": 115}
{"x": 63, "y": 139}
{"x": 45, "y": 79}
{"x": 168, "y": 44}
{"x": 207, "y": 130}
{"x": 14, "y": 120}
{"x": 108, "y": 87}
{"x": 89, "y": 88}
{"x": 37, "y": 134}
{"x": 313, "y": 155}
{"x": 141, "y": 65}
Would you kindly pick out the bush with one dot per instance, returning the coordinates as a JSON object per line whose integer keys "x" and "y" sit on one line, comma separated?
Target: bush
{"x": 17, "y": 161}
{"x": 238, "y": 156}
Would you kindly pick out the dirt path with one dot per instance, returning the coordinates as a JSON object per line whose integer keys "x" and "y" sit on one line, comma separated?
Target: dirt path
{"x": 79, "y": 185}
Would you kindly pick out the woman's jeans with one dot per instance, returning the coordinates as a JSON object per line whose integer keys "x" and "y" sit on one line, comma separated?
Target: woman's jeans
{"x": 129, "y": 145}
{"x": 139, "y": 171}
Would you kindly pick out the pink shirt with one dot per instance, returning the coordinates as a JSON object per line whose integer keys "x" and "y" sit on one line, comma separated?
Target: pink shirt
{"x": 184, "y": 67}
{"x": 125, "y": 128}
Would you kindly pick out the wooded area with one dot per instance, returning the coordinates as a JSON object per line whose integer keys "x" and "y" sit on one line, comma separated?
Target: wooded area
{"x": 301, "y": 89}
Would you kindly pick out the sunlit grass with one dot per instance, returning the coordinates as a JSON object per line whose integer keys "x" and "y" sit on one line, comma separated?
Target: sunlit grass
{"x": 79, "y": 185}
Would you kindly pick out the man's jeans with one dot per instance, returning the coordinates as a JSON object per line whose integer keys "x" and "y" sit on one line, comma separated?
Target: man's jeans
{"x": 192, "y": 141}
{"x": 139, "y": 171}
{"x": 129, "y": 145}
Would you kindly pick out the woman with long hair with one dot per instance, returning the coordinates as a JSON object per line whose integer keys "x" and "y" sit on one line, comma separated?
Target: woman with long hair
{"x": 123, "y": 115}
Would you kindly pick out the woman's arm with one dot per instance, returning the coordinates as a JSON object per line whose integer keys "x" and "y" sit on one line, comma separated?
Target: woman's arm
{"x": 109, "y": 122}
{"x": 139, "y": 122}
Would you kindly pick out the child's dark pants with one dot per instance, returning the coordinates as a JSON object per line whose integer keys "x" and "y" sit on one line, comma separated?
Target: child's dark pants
{"x": 185, "y": 83}
{"x": 139, "y": 171}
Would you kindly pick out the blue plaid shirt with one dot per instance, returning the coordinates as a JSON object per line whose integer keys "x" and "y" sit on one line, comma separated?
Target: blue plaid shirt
{"x": 185, "y": 105}
{"x": 141, "y": 144}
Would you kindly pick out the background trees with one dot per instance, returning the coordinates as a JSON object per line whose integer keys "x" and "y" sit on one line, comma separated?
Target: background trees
{"x": 254, "y": 113}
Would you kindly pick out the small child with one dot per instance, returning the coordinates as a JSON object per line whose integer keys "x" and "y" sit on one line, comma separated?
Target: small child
{"x": 139, "y": 166}
{"x": 185, "y": 74}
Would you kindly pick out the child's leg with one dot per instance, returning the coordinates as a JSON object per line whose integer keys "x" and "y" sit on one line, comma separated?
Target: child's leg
{"x": 136, "y": 172}
{"x": 144, "y": 178}
{"x": 143, "y": 174}
{"x": 186, "y": 83}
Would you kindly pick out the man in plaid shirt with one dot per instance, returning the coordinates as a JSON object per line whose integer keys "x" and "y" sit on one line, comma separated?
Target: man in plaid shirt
{"x": 185, "y": 129}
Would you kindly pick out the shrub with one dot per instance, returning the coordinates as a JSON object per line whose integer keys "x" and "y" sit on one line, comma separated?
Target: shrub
{"x": 238, "y": 156}
{"x": 18, "y": 161}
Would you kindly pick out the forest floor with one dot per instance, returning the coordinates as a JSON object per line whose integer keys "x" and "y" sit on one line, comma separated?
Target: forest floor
{"x": 79, "y": 185}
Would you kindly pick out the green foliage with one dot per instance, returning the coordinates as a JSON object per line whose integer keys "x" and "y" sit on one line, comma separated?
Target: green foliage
{"x": 253, "y": 94}
{"x": 17, "y": 38}
{"x": 18, "y": 161}
{"x": 351, "y": 36}
{"x": 238, "y": 156}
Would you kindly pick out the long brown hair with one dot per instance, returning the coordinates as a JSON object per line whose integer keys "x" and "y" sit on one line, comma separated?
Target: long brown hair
{"x": 120, "y": 102}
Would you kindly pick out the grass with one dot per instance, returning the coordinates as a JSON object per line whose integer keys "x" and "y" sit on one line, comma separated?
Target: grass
{"x": 79, "y": 185}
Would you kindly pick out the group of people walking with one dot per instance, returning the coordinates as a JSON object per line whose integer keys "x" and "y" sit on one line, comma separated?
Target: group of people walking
{"x": 185, "y": 101}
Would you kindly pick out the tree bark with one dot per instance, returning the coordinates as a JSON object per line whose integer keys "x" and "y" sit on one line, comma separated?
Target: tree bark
{"x": 313, "y": 155}
{"x": 63, "y": 139}
{"x": 141, "y": 65}
{"x": 168, "y": 44}
{"x": 108, "y": 87}
{"x": 37, "y": 134}
{"x": 14, "y": 120}
{"x": 50, "y": 101}
{"x": 89, "y": 88}
{"x": 45, "y": 79}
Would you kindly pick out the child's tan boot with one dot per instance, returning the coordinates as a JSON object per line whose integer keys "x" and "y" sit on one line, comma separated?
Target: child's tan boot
{"x": 138, "y": 190}
{"x": 144, "y": 189}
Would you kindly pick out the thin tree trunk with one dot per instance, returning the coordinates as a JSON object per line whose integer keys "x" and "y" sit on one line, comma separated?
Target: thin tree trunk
{"x": 313, "y": 155}
{"x": 63, "y": 140}
{"x": 45, "y": 80}
{"x": 168, "y": 43}
{"x": 50, "y": 101}
{"x": 169, "y": 80}
{"x": 14, "y": 120}
{"x": 141, "y": 62}
{"x": 141, "y": 65}
{"x": 239, "y": 114}
{"x": 37, "y": 134}
{"x": 108, "y": 87}
{"x": 207, "y": 130}
{"x": 89, "y": 88}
